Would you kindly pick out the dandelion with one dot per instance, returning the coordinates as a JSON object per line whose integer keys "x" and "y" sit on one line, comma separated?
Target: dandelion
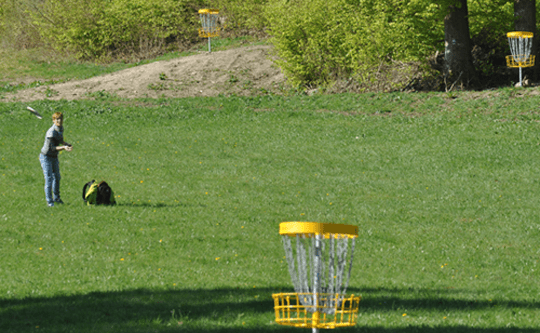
{"x": 121, "y": 259}
{"x": 218, "y": 258}
{"x": 444, "y": 318}
{"x": 40, "y": 248}
{"x": 404, "y": 314}
{"x": 142, "y": 181}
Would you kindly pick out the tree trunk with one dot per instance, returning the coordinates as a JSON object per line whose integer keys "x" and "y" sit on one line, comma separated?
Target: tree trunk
{"x": 459, "y": 69}
{"x": 525, "y": 20}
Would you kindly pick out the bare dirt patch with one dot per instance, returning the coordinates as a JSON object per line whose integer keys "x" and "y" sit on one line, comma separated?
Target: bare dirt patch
{"x": 239, "y": 71}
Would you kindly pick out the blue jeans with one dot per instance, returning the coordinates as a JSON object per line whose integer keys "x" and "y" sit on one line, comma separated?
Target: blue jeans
{"x": 51, "y": 171}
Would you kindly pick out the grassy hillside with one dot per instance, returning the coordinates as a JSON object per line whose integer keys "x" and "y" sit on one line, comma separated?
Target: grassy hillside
{"x": 22, "y": 69}
{"x": 442, "y": 187}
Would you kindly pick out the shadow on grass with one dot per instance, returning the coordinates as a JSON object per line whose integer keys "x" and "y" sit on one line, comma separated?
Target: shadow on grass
{"x": 219, "y": 310}
{"x": 158, "y": 205}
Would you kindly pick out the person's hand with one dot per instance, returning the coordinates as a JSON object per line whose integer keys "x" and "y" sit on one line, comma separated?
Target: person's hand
{"x": 68, "y": 148}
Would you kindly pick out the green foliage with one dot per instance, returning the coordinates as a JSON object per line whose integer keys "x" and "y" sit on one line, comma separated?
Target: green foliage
{"x": 497, "y": 16}
{"x": 16, "y": 27}
{"x": 319, "y": 40}
{"x": 96, "y": 29}
{"x": 242, "y": 16}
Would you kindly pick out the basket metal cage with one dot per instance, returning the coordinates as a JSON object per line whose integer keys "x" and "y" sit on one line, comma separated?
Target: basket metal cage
{"x": 291, "y": 312}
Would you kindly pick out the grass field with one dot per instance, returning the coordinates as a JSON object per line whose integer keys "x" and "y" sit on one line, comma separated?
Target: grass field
{"x": 443, "y": 188}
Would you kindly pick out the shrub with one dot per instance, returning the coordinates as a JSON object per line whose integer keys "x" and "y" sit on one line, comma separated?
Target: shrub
{"x": 320, "y": 40}
{"x": 95, "y": 29}
{"x": 16, "y": 28}
{"x": 241, "y": 17}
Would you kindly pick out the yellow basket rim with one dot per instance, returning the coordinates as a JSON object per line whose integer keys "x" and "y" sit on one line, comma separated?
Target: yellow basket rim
{"x": 316, "y": 228}
{"x": 209, "y": 11}
{"x": 517, "y": 34}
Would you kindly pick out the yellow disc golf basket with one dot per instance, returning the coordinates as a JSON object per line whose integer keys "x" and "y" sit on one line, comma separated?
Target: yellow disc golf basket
{"x": 209, "y": 21}
{"x": 520, "y": 46}
{"x": 320, "y": 266}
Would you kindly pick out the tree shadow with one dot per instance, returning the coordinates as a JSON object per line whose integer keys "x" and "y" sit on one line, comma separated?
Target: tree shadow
{"x": 215, "y": 310}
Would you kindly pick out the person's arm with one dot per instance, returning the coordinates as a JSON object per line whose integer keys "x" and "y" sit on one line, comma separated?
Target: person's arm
{"x": 66, "y": 147}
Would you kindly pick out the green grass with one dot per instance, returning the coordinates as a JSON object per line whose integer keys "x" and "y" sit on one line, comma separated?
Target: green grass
{"x": 30, "y": 68}
{"x": 444, "y": 190}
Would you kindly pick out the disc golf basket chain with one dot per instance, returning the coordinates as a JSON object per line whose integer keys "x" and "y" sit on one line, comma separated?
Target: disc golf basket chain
{"x": 209, "y": 22}
{"x": 520, "y": 46}
{"x": 320, "y": 266}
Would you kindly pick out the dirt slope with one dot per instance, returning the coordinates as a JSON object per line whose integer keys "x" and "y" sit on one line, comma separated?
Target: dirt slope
{"x": 240, "y": 71}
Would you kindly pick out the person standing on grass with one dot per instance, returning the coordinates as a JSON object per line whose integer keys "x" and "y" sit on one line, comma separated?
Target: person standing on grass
{"x": 54, "y": 142}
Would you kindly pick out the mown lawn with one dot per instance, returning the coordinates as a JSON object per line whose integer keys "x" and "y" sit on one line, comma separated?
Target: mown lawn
{"x": 442, "y": 187}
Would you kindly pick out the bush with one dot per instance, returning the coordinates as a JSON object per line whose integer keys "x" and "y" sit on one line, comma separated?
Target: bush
{"x": 242, "y": 17}
{"x": 16, "y": 29}
{"x": 320, "y": 40}
{"x": 101, "y": 29}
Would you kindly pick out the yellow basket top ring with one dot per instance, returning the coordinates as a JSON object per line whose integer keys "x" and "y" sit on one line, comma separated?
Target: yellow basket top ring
{"x": 317, "y": 228}
{"x": 209, "y": 11}
{"x": 517, "y": 34}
